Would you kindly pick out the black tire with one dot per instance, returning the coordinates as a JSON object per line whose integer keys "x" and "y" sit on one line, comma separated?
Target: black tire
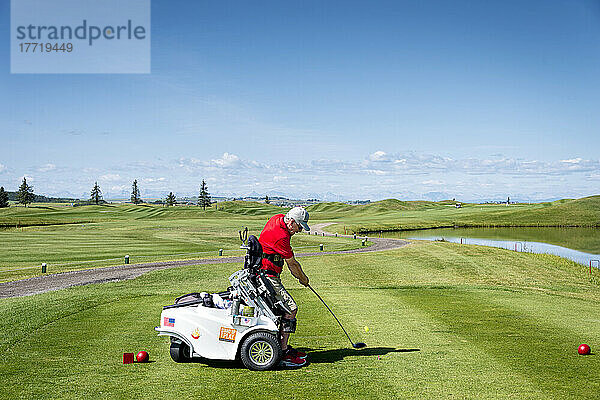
{"x": 180, "y": 352}
{"x": 260, "y": 351}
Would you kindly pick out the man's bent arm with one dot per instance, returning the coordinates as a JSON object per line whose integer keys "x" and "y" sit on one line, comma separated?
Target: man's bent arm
{"x": 296, "y": 270}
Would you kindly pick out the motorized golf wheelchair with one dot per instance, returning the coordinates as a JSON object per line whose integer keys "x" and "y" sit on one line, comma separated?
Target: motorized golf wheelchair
{"x": 244, "y": 322}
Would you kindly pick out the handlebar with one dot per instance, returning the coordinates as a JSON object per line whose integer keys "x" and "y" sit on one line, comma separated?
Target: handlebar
{"x": 244, "y": 238}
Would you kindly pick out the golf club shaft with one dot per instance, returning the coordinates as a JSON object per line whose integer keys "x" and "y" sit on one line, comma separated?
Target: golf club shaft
{"x": 338, "y": 321}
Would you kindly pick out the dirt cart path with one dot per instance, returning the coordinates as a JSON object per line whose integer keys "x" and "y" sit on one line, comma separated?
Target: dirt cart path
{"x": 46, "y": 283}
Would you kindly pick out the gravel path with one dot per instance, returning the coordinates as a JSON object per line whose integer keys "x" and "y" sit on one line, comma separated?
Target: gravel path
{"x": 46, "y": 283}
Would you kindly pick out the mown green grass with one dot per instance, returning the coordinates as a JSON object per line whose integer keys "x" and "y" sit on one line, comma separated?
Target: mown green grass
{"x": 69, "y": 238}
{"x": 80, "y": 246}
{"x": 72, "y": 238}
{"x": 50, "y": 214}
{"x": 388, "y": 214}
{"x": 446, "y": 321}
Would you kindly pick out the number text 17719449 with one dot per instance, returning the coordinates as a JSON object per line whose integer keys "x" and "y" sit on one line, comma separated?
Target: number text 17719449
{"x": 46, "y": 47}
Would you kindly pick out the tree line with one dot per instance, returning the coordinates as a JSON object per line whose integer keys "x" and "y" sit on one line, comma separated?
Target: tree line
{"x": 26, "y": 196}
{"x": 204, "y": 199}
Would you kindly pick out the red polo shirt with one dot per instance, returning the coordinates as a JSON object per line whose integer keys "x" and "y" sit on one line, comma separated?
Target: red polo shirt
{"x": 275, "y": 239}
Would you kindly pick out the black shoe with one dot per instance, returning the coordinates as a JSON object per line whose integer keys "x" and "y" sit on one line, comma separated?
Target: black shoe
{"x": 292, "y": 361}
{"x": 295, "y": 353}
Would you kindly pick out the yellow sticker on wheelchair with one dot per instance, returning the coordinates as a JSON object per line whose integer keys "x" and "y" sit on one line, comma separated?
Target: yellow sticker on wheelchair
{"x": 227, "y": 334}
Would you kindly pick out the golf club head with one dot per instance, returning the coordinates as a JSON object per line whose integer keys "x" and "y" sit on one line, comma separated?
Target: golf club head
{"x": 359, "y": 345}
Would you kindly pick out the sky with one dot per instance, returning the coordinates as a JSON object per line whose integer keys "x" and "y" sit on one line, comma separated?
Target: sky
{"x": 473, "y": 100}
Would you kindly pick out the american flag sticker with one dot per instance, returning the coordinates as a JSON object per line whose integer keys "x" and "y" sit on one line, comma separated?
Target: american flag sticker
{"x": 169, "y": 321}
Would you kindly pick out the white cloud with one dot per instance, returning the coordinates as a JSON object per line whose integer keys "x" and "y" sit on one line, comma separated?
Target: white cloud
{"x": 572, "y": 161}
{"x": 110, "y": 177}
{"x": 184, "y": 161}
{"x": 47, "y": 167}
{"x": 152, "y": 180}
{"x": 227, "y": 161}
{"x": 380, "y": 174}
{"x": 2, "y": 168}
{"x": 378, "y": 156}
{"x": 594, "y": 176}
{"x": 432, "y": 182}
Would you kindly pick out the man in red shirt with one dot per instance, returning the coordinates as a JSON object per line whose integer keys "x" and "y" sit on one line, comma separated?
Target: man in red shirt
{"x": 275, "y": 241}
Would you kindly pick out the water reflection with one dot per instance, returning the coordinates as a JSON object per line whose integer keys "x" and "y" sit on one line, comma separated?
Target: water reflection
{"x": 581, "y": 245}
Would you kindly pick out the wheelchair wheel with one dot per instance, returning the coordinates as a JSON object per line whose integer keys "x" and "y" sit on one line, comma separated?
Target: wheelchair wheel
{"x": 180, "y": 352}
{"x": 260, "y": 351}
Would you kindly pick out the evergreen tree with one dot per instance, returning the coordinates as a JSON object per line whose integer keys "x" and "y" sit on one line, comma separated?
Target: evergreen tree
{"x": 3, "y": 198}
{"x": 171, "y": 200}
{"x": 204, "y": 198}
{"x": 135, "y": 193}
{"x": 25, "y": 194}
{"x": 267, "y": 201}
{"x": 96, "y": 195}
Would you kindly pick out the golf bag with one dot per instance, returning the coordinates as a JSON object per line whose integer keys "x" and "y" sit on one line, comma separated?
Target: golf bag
{"x": 253, "y": 262}
{"x": 253, "y": 259}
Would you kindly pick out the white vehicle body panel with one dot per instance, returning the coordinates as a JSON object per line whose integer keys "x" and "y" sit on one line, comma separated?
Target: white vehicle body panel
{"x": 216, "y": 333}
{"x": 211, "y": 333}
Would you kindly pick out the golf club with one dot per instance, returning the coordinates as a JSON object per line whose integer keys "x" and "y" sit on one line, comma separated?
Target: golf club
{"x": 357, "y": 345}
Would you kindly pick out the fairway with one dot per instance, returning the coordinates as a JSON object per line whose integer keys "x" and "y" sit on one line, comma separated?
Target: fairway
{"x": 445, "y": 321}
{"x": 73, "y": 238}
{"x": 69, "y": 239}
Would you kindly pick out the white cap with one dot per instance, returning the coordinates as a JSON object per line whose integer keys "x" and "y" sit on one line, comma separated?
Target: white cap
{"x": 300, "y": 215}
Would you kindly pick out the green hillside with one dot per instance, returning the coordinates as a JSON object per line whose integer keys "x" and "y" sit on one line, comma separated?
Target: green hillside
{"x": 391, "y": 215}
{"x": 251, "y": 208}
{"x": 68, "y": 238}
{"x": 49, "y": 214}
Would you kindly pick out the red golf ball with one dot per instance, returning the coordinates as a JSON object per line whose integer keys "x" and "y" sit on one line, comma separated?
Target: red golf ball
{"x": 583, "y": 349}
{"x": 142, "y": 357}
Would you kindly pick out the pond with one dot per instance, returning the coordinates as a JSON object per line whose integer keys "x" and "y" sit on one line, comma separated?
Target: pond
{"x": 581, "y": 245}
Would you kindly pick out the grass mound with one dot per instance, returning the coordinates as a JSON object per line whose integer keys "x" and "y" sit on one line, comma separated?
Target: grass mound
{"x": 330, "y": 207}
{"x": 252, "y": 208}
{"x": 382, "y": 208}
{"x": 382, "y": 216}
